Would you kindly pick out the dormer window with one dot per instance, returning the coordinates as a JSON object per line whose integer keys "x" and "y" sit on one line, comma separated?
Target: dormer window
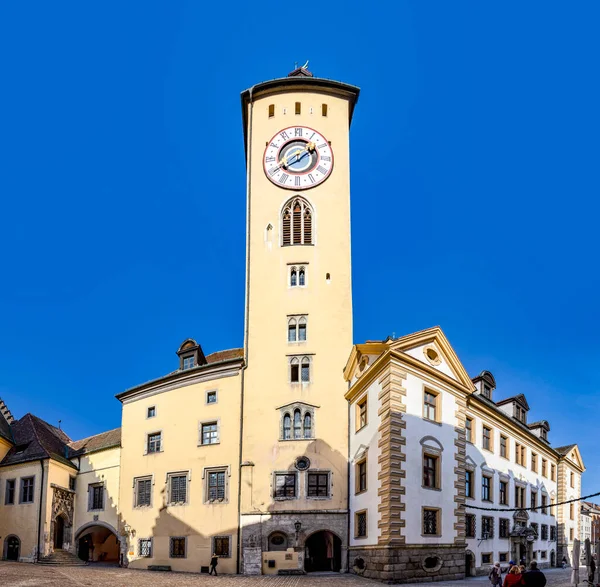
{"x": 520, "y": 414}
{"x": 487, "y": 391}
{"x": 188, "y": 362}
{"x": 190, "y": 355}
{"x": 544, "y": 434}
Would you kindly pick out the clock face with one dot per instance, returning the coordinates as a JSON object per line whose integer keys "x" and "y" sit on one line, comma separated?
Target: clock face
{"x": 298, "y": 158}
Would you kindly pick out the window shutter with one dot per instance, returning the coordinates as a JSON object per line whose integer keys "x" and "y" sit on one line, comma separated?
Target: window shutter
{"x": 287, "y": 227}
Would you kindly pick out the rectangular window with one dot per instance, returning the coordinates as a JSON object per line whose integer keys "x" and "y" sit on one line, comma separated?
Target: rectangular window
{"x": 519, "y": 496}
{"x": 430, "y": 471}
{"x": 572, "y": 479}
{"x": 487, "y": 392}
{"x": 324, "y": 109}
{"x": 571, "y": 534}
{"x": 143, "y": 492}
{"x": 487, "y": 527}
{"x": 430, "y": 406}
{"x": 211, "y": 397}
{"x": 552, "y": 472}
{"x": 360, "y": 524}
{"x": 72, "y": 483}
{"x": 210, "y": 433}
{"x": 486, "y": 488}
{"x": 430, "y": 521}
{"x": 222, "y": 546}
{"x": 216, "y": 486}
{"x": 534, "y": 499}
{"x": 177, "y": 548}
{"x": 469, "y": 483}
{"x": 177, "y": 488}
{"x": 469, "y": 429}
{"x": 571, "y": 512}
{"x": 487, "y": 438}
{"x": 154, "y": 442}
{"x": 544, "y": 468}
{"x": 285, "y": 485}
{"x": 295, "y": 372}
{"x": 536, "y": 528}
{"x": 318, "y": 485}
{"x": 534, "y": 462}
{"x": 298, "y": 108}
{"x": 486, "y": 558}
{"x": 271, "y": 110}
{"x": 361, "y": 476}
{"x": 503, "y": 557}
{"x": 361, "y": 413}
{"x": 470, "y": 523}
{"x": 145, "y": 547}
{"x": 553, "y": 533}
{"x": 503, "y": 446}
{"x": 188, "y": 363}
{"x": 302, "y": 329}
{"x": 543, "y": 554}
{"x": 504, "y": 527}
{"x": 552, "y": 502}
{"x": 96, "y": 496}
{"x": 151, "y": 412}
{"x": 26, "y": 490}
{"x": 9, "y": 497}
{"x": 503, "y": 493}
{"x": 517, "y": 453}
{"x": 544, "y": 504}
{"x": 544, "y": 532}
{"x": 305, "y": 371}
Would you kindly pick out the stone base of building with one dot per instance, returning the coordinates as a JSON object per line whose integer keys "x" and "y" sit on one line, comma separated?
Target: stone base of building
{"x": 408, "y": 564}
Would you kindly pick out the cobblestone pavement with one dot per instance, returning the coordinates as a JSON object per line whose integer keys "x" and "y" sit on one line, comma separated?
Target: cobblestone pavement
{"x": 27, "y": 575}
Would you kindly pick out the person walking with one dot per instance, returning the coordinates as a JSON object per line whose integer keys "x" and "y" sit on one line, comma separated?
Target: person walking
{"x": 514, "y": 577}
{"x": 534, "y": 577}
{"x": 214, "y": 561}
{"x": 495, "y": 575}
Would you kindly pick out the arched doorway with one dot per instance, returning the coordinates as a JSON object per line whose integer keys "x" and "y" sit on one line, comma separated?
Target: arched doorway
{"x": 469, "y": 564}
{"x": 59, "y": 532}
{"x": 323, "y": 552}
{"x": 98, "y": 543}
{"x": 552, "y": 559}
{"x": 12, "y": 548}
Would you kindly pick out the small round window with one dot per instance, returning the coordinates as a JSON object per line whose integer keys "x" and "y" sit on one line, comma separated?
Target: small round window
{"x": 302, "y": 463}
{"x": 432, "y": 355}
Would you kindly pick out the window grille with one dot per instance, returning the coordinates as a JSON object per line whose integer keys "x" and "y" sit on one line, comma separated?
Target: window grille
{"x": 145, "y": 547}
{"x": 221, "y": 546}
{"x": 143, "y": 492}
{"x": 177, "y": 548}
{"x": 470, "y": 523}
{"x": 361, "y": 524}
{"x": 430, "y": 522}
{"x": 97, "y": 497}
{"x": 177, "y": 488}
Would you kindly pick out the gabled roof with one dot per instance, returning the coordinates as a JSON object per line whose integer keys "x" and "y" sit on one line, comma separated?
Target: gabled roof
{"x": 520, "y": 399}
{"x": 35, "y": 439}
{"x": 102, "y": 441}
{"x": 539, "y": 424}
{"x": 564, "y": 450}
{"x": 571, "y": 453}
{"x": 5, "y": 421}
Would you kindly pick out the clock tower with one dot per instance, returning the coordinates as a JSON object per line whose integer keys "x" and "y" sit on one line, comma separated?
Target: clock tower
{"x": 298, "y": 325}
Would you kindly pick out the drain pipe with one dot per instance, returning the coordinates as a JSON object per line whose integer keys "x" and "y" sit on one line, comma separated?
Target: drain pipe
{"x": 247, "y": 302}
{"x": 39, "y": 533}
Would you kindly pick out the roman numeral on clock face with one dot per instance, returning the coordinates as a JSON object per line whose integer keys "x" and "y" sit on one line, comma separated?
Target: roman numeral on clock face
{"x": 322, "y": 146}
{"x": 284, "y": 135}
{"x": 283, "y": 178}
{"x": 297, "y": 132}
{"x": 311, "y": 178}
{"x": 322, "y": 170}
{"x": 271, "y": 159}
{"x": 323, "y": 158}
{"x": 297, "y": 181}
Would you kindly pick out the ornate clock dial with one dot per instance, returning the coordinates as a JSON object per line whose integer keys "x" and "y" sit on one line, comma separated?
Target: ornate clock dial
{"x": 298, "y": 158}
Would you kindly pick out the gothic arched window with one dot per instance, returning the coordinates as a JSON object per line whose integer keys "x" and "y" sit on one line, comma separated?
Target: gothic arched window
{"x": 307, "y": 425}
{"x": 302, "y": 329}
{"x": 292, "y": 330}
{"x": 305, "y": 370}
{"x": 294, "y": 277}
{"x": 297, "y": 424}
{"x": 301, "y": 280}
{"x": 287, "y": 427}
{"x": 296, "y": 223}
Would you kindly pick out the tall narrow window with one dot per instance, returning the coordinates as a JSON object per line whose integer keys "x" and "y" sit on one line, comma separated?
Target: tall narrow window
{"x": 503, "y": 446}
{"x": 307, "y": 425}
{"x": 297, "y": 424}
{"x": 9, "y": 496}
{"x": 298, "y": 108}
{"x": 177, "y": 488}
{"x": 292, "y": 330}
{"x": 301, "y": 277}
{"x": 324, "y": 109}
{"x": 297, "y": 223}
{"x": 302, "y": 329}
{"x": 287, "y": 427}
{"x": 361, "y": 413}
{"x": 216, "y": 486}
{"x": 430, "y": 406}
{"x": 469, "y": 429}
{"x": 143, "y": 492}
{"x": 430, "y": 477}
{"x": 295, "y": 370}
{"x": 305, "y": 370}
{"x": 293, "y": 277}
{"x": 361, "y": 476}
{"x": 486, "y": 488}
{"x": 469, "y": 483}
{"x": 271, "y": 110}
{"x": 503, "y": 493}
{"x": 487, "y": 438}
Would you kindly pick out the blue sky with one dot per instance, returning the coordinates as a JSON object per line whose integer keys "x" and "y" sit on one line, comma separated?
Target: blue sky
{"x": 474, "y": 189}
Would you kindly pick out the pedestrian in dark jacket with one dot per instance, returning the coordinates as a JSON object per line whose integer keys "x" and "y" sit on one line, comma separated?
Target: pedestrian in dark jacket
{"x": 214, "y": 561}
{"x": 534, "y": 577}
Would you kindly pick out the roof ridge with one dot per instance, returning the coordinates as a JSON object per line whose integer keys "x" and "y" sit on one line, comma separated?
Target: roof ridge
{"x": 35, "y": 432}
{"x": 94, "y": 435}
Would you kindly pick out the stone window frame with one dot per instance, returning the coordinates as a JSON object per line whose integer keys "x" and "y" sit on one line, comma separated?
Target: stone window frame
{"x": 544, "y": 471}
{"x": 151, "y": 549}
{"x": 214, "y": 392}
{"x": 470, "y": 494}
{"x": 91, "y": 489}
{"x": 185, "y": 549}
{"x": 73, "y": 482}
{"x": 552, "y": 472}
{"x": 470, "y": 438}
{"x": 572, "y": 479}
{"x": 543, "y": 554}
{"x": 534, "y": 462}
{"x": 521, "y": 454}
{"x": 491, "y": 529}
{"x": 490, "y": 556}
{"x": 147, "y": 443}
{"x": 544, "y": 503}
{"x": 473, "y": 526}
{"x": 329, "y": 474}
{"x": 14, "y": 491}
{"x": 307, "y": 229}
{"x": 135, "y": 491}
{"x": 506, "y": 482}
{"x": 188, "y": 478}
{"x": 357, "y": 465}
{"x": 506, "y": 454}
{"x": 490, "y": 429}
{"x": 209, "y": 422}
{"x": 290, "y": 409}
{"x": 363, "y": 401}
{"x": 522, "y": 487}
{"x": 296, "y": 495}
{"x": 544, "y": 532}
{"x": 300, "y": 359}
{"x": 296, "y": 271}
{"x": 533, "y": 498}
{"x": 571, "y": 511}
{"x": 503, "y": 557}
{"x": 205, "y": 482}
{"x": 502, "y": 534}
{"x": 431, "y": 448}
{"x": 438, "y": 521}
{"x": 571, "y": 534}
{"x": 22, "y": 489}
{"x": 437, "y": 406}
{"x": 487, "y": 475}
{"x": 221, "y": 537}
{"x": 153, "y": 415}
{"x": 293, "y": 324}
{"x": 365, "y": 513}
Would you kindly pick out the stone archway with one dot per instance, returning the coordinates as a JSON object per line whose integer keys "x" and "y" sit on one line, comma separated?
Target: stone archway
{"x": 98, "y": 542}
{"x": 469, "y": 564}
{"x": 61, "y": 526}
{"x": 12, "y": 548}
{"x": 323, "y": 552}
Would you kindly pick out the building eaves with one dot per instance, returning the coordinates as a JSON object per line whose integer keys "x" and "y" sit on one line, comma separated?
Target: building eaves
{"x": 98, "y": 442}
{"x": 564, "y": 450}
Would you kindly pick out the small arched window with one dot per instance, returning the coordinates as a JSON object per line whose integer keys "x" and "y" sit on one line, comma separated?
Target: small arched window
{"x": 307, "y": 425}
{"x": 301, "y": 278}
{"x": 296, "y": 223}
{"x": 294, "y": 277}
{"x": 295, "y": 370}
{"x": 297, "y": 424}
{"x": 278, "y": 541}
{"x": 287, "y": 427}
{"x": 302, "y": 329}
{"x": 305, "y": 371}
{"x": 292, "y": 330}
